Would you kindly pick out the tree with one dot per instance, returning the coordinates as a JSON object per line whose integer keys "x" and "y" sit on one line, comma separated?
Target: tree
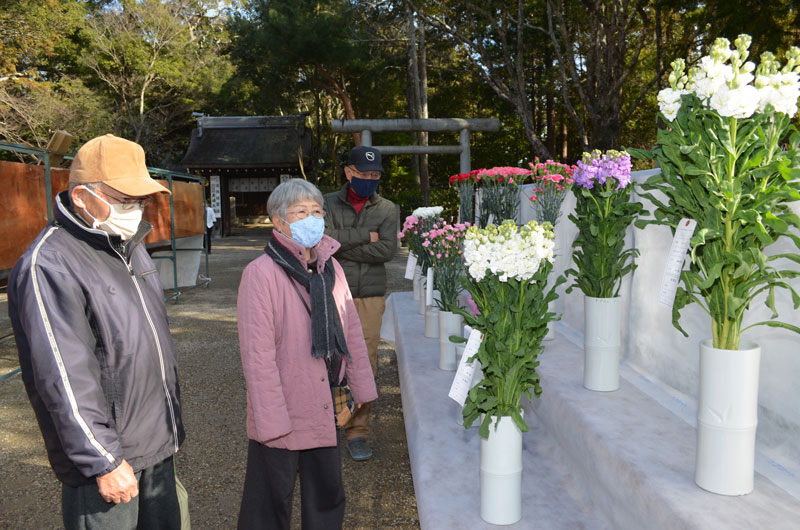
{"x": 496, "y": 36}
{"x": 35, "y": 99}
{"x": 155, "y": 59}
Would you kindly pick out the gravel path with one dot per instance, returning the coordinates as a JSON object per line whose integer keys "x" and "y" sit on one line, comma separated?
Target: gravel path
{"x": 380, "y": 492}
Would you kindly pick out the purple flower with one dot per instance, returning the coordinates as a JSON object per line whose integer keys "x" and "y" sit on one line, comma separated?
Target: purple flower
{"x": 599, "y": 167}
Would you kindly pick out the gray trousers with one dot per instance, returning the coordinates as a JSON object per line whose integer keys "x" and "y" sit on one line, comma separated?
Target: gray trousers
{"x": 155, "y": 508}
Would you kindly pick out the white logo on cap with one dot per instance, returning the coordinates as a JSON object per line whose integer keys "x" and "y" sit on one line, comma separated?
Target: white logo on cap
{"x": 370, "y": 156}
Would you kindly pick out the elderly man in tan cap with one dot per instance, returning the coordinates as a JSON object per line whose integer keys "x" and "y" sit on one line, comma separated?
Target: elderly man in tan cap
{"x": 97, "y": 357}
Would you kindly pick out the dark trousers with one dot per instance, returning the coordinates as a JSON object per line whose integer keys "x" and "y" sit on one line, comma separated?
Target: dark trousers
{"x": 269, "y": 488}
{"x": 155, "y": 508}
{"x": 209, "y": 232}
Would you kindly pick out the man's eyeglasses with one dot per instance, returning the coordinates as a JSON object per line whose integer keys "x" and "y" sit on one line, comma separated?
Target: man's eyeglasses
{"x": 302, "y": 214}
{"x": 128, "y": 203}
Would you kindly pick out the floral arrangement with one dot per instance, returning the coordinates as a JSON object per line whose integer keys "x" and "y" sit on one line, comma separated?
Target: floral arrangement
{"x": 723, "y": 163}
{"x": 603, "y": 213}
{"x": 415, "y": 225}
{"x": 465, "y": 182}
{"x": 443, "y": 246}
{"x": 552, "y": 180}
{"x": 500, "y": 199}
{"x": 507, "y": 270}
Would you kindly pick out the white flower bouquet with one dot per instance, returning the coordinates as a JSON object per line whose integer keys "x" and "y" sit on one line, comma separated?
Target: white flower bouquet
{"x": 730, "y": 160}
{"x": 507, "y": 269}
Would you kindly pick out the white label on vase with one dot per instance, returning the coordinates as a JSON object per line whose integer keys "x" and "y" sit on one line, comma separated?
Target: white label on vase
{"x": 462, "y": 382}
{"x": 490, "y": 220}
{"x": 429, "y": 287}
{"x": 411, "y": 264}
{"x": 677, "y": 253}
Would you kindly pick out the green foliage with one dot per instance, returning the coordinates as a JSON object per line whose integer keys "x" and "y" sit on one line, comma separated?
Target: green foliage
{"x": 513, "y": 317}
{"x": 499, "y": 200}
{"x": 733, "y": 178}
{"x": 602, "y": 215}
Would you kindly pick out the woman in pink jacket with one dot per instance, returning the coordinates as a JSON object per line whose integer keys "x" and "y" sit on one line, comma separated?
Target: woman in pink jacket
{"x": 299, "y": 333}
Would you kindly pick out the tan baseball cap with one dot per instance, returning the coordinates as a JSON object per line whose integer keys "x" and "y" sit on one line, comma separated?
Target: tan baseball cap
{"x": 116, "y": 162}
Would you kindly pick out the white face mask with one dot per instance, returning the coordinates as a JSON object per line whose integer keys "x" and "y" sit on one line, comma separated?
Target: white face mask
{"x": 123, "y": 219}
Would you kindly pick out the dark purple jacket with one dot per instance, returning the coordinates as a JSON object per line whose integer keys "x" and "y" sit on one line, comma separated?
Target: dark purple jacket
{"x": 97, "y": 357}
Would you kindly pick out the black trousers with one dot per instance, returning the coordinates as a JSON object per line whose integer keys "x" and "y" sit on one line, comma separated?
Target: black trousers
{"x": 209, "y": 232}
{"x": 269, "y": 488}
{"x": 155, "y": 508}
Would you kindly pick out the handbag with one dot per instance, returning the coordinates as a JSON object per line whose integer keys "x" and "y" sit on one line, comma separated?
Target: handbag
{"x": 343, "y": 403}
{"x": 183, "y": 502}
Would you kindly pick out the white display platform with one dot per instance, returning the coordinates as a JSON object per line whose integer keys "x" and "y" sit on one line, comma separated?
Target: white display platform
{"x": 593, "y": 460}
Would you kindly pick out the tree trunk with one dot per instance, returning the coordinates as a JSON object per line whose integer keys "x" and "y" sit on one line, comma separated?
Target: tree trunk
{"x": 423, "y": 107}
{"x": 419, "y": 163}
{"x": 337, "y": 90}
{"x": 550, "y": 111}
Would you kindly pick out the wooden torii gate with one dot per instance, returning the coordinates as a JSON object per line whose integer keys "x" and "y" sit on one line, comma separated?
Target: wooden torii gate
{"x": 463, "y": 125}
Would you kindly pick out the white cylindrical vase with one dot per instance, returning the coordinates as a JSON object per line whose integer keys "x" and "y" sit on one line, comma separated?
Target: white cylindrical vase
{"x": 449, "y": 324}
{"x": 415, "y": 283}
{"x": 460, "y": 352}
{"x": 727, "y": 416}
{"x": 432, "y": 322}
{"x": 422, "y": 295}
{"x": 551, "y": 326}
{"x": 501, "y": 473}
{"x": 601, "y": 343}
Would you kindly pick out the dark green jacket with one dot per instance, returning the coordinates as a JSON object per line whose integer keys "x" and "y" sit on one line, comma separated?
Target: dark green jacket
{"x": 362, "y": 261}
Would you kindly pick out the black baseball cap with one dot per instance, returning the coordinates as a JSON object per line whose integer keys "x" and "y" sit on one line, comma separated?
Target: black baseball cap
{"x": 365, "y": 158}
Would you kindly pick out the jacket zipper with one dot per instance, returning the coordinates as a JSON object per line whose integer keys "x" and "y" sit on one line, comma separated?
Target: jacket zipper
{"x": 355, "y": 225}
{"x": 158, "y": 347}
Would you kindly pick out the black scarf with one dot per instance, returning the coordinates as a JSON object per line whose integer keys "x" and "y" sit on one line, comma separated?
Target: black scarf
{"x": 327, "y": 337}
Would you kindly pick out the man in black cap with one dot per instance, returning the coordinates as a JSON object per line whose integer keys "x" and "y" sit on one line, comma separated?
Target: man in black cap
{"x": 365, "y": 224}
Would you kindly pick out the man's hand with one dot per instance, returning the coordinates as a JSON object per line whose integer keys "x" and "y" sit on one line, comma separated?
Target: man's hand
{"x": 374, "y": 237}
{"x": 120, "y": 485}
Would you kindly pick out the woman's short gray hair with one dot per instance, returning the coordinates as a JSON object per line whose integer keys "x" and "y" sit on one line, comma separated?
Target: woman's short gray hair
{"x": 288, "y": 193}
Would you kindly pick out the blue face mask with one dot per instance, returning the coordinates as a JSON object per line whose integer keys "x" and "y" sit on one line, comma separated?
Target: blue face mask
{"x": 308, "y": 231}
{"x": 364, "y": 187}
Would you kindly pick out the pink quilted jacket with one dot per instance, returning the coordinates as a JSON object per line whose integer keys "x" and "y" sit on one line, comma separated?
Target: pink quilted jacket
{"x": 288, "y": 394}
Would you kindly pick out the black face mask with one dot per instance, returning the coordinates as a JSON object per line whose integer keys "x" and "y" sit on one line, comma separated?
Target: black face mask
{"x": 364, "y": 187}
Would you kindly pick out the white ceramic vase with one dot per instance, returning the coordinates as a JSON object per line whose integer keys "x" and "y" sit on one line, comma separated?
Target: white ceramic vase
{"x": 551, "y": 326}
{"x": 501, "y": 473}
{"x": 449, "y": 324}
{"x": 432, "y": 322}
{"x": 601, "y": 343}
{"x": 727, "y": 415}
{"x": 415, "y": 283}
{"x": 422, "y": 293}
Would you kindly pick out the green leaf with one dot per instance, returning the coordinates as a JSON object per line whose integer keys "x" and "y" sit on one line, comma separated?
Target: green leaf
{"x": 775, "y": 324}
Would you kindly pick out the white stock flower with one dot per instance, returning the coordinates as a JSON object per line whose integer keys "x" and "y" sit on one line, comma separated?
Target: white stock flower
{"x": 708, "y": 77}
{"x": 779, "y": 90}
{"x": 669, "y": 102}
{"x": 739, "y": 102}
{"x": 507, "y": 252}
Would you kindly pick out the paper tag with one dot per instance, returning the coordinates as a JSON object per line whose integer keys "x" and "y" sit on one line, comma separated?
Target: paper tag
{"x": 490, "y": 220}
{"x": 429, "y": 287}
{"x": 467, "y": 331}
{"x": 411, "y": 264}
{"x": 462, "y": 382}
{"x": 674, "y": 265}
